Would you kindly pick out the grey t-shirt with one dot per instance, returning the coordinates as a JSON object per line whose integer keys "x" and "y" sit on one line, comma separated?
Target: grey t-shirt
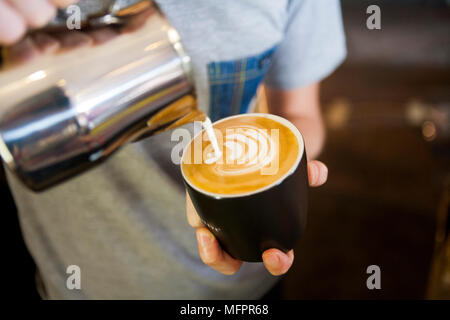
{"x": 124, "y": 222}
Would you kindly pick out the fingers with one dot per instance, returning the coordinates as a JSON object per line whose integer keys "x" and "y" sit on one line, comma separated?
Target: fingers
{"x": 208, "y": 247}
{"x": 12, "y": 25}
{"x": 17, "y": 15}
{"x": 317, "y": 173}
{"x": 103, "y": 35}
{"x": 212, "y": 254}
{"x": 35, "y": 12}
{"x": 45, "y": 43}
{"x": 22, "y": 52}
{"x": 277, "y": 262}
{"x": 73, "y": 40}
{"x": 41, "y": 43}
{"x": 192, "y": 216}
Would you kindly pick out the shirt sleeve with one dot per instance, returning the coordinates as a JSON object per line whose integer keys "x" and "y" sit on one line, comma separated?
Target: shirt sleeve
{"x": 313, "y": 45}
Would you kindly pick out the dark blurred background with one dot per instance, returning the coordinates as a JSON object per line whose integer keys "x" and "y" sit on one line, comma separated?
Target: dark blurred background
{"x": 387, "y": 110}
{"x": 386, "y": 203}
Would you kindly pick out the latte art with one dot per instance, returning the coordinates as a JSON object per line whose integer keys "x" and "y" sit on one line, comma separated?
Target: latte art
{"x": 247, "y": 153}
{"x": 246, "y": 149}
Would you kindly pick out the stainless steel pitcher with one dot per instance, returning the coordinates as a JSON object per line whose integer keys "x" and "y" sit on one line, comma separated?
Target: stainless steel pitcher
{"x": 63, "y": 113}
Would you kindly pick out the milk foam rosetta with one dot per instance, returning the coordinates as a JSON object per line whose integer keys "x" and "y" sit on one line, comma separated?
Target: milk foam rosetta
{"x": 251, "y": 152}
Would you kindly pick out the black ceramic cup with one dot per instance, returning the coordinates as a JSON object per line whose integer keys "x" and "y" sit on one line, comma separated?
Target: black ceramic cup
{"x": 274, "y": 217}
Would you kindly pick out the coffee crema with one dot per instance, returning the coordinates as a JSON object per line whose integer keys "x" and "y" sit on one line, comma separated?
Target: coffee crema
{"x": 256, "y": 151}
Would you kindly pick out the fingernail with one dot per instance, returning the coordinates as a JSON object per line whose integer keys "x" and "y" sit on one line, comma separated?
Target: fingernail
{"x": 313, "y": 176}
{"x": 204, "y": 239}
{"x": 324, "y": 174}
{"x": 272, "y": 261}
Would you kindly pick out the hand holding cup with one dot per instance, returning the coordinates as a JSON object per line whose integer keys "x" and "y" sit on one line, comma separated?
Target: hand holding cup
{"x": 244, "y": 215}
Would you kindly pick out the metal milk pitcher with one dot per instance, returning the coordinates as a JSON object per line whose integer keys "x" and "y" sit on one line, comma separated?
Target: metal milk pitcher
{"x": 63, "y": 113}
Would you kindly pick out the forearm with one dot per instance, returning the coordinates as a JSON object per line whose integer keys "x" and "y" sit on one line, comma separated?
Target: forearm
{"x": 313, "y": 132}
{"x": 301, "y": 107}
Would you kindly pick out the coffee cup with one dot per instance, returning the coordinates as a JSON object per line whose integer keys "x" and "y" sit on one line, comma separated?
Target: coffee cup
{"x": 249, "y": 185}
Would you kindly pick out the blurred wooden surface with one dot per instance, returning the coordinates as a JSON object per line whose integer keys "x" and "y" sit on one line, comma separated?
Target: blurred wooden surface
{"x": 380, "y": 203}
